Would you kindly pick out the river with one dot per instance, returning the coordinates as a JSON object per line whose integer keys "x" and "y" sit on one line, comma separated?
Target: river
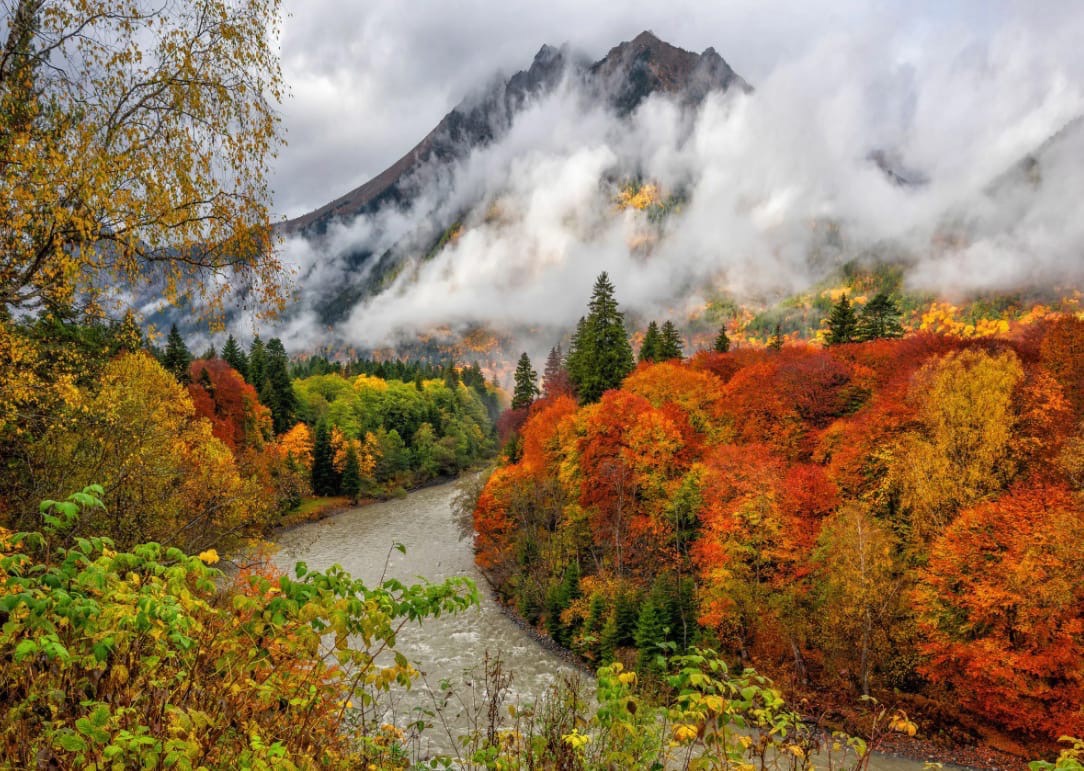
{"x": 361, "y": 540}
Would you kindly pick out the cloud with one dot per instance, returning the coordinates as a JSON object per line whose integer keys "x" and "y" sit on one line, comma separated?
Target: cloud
{"x": 959, "y": 98}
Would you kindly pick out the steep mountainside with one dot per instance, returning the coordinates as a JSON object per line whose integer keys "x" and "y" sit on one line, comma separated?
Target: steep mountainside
{"x": 626, "y": 76}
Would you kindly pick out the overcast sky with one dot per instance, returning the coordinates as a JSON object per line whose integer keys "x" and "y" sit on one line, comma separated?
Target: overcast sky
{"x": 369, "y": 78}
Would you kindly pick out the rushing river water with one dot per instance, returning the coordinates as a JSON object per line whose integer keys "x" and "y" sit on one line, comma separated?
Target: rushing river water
{"x": 362, "y": 540}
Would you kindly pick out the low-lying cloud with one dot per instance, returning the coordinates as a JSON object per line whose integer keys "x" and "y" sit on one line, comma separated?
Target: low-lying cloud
{"x": 767, "y": 180}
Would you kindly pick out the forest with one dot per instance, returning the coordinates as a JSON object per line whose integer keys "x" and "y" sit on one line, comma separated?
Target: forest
{"x": 726, "y": 537}
{"x": 897, "y": 518}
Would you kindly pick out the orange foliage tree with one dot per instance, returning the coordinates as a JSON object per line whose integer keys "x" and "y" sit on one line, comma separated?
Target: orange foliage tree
{"x": 1001, "y": 608}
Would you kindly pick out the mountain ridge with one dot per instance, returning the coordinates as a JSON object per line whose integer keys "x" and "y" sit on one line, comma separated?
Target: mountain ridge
{"x": 629, "y": 73}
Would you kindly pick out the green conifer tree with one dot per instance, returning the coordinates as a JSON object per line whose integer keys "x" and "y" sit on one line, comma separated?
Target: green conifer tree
{"x": 722, "y": 341}
{"x": 879, "y": 318}
{"x": 842, "y": 323}
{"x": 257, "y": 363}
{"x": 283, "y": 401}
{"x": 235, "y": 357}
{"x": 325, "y": 480}
{"x": 649, "y": 348}
{"x": 670, "y": 344}
{"x": 600, "y": 356}
{"x": 651, "y": 631}
{"x": 351, "y": 478}
{"x": 177, "y": 358}
{"x": 526, "y": 384}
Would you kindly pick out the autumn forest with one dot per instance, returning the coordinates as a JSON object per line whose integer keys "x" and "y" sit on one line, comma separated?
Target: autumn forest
{"x": 789, "y": 533}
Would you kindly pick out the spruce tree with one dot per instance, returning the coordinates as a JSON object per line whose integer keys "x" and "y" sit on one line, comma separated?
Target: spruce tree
{"x": 879, "y": 318}
{"x": 670, "y": 345}
{"x": 324, "y": 478}
{"x": 526, "y": 388}
{"x": 649, "y": 348}
{"x": 257, "y": 363}
{"x": 351, "y": 479}
{"x": 235, "y": 357}
{"x": 601, "y": 356}
{"x": 842, "y": 323}
{"x": 283, "y": 404}
{"x": 722, "y": 342}
{"x": 177, "y": 359}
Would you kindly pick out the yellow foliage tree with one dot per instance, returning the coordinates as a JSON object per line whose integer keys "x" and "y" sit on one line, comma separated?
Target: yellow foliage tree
{"x": 134, "y": 139}
{"x": 962, "y": 450}
{"x": 166, "y": 477}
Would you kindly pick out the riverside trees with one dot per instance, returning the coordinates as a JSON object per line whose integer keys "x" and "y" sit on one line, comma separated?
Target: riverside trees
{"x": 895, "y": 515}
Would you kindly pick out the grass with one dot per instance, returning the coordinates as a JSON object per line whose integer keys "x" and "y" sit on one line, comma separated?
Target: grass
{"x": 312, "y": 509}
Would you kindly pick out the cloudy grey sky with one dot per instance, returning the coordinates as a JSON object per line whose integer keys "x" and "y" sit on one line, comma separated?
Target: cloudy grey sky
{"x": 370, "y": 78}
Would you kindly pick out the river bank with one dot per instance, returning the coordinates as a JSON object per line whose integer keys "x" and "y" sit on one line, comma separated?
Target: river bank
{"x": 451, "y": 648}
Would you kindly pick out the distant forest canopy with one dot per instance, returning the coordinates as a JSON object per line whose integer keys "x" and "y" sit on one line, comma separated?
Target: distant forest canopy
{"x": 237, "y": 439}
{"x": 898, "y": 517}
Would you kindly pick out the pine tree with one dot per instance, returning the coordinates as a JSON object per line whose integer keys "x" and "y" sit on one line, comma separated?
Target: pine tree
{"x": 177, "y": 359}
{"x": 601, "y": 356}
{"x": 842, "y": 323}
{"x": 651, "y": 630}
{"x": 649, "y": 348}
{"x": 555, "y": 380}
{"x": 235, "y": 357}
{"x": 670, "y": 345}
{"x": 351, "y": 479}
{"x": 722, "y": 342}
{"x": 879, "y": 318}
{"x": 283, "y": 401}
{"x": 526, "y": 388}
{"x": 210, "y": 353}
{"x": 257, "y": 363}
{"x": 324, "y": 478}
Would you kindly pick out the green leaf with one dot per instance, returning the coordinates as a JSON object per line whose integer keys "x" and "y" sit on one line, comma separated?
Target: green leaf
{"x": 24, "y": 649}
{"x": 67, "y": 739}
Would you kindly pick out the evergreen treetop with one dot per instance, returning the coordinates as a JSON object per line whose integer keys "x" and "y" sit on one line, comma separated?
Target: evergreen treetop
{"x": 601, "y": 355}
{"x": 649, "y": 348}
{"x": 722, "y": 341}
{"x": 257, "y": 363}
{"x": 670, "y": 345}
{"x": 842, "y": 322}
{"x": 526, "y": 387}
{"x": 177, "y": 358}
{"x": 879, "y": 318}
{"x": 235, "y": 357}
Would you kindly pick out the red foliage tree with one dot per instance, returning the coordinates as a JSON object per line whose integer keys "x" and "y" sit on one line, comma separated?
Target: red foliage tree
{"x": 222, "y": 396}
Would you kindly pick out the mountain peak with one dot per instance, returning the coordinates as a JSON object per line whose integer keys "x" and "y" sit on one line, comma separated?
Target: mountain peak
{"x": 624, "y": 78}
{"x": 636, "y": 68}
